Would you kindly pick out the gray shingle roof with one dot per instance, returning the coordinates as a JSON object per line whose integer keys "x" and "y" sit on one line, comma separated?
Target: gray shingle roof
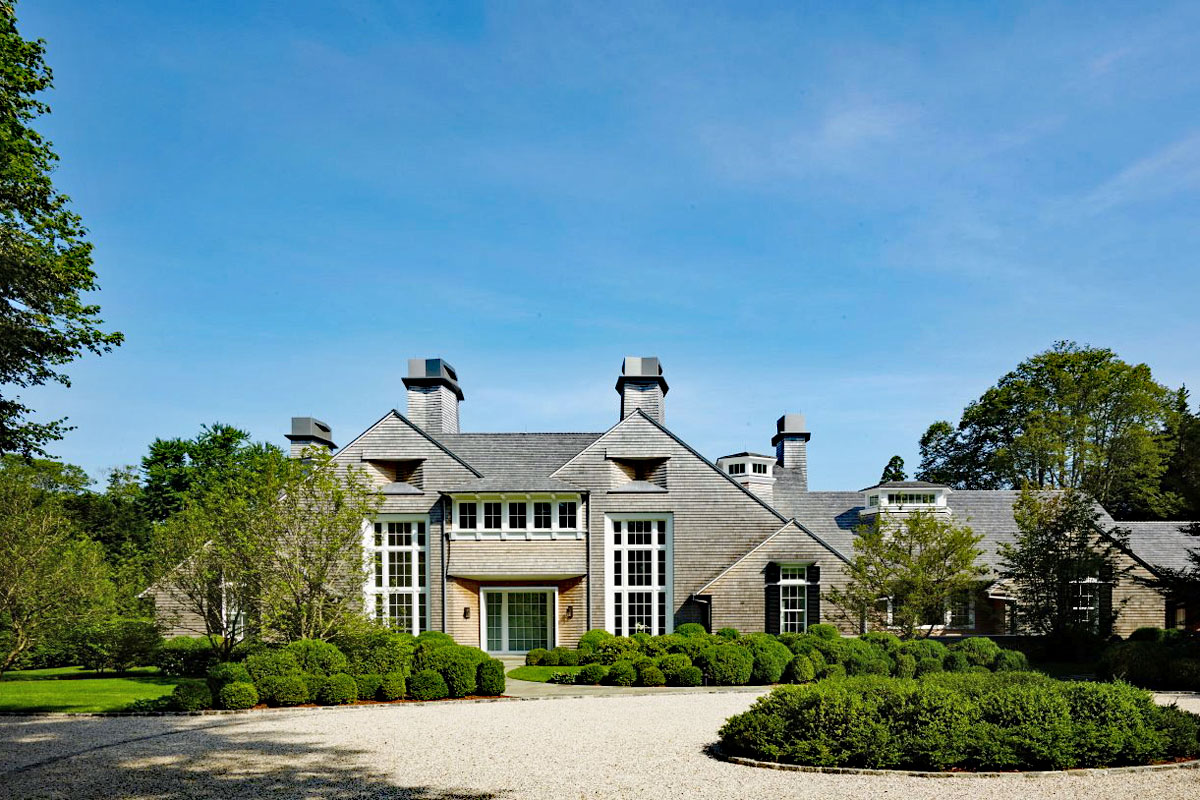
{"x": 1161, "y": 544}
{"x": 906, "y": 485}
{"x": 516, "y": 461}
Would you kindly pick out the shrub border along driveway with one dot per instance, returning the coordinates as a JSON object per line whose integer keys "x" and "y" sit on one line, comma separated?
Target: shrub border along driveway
{"x": 716, "y": 752}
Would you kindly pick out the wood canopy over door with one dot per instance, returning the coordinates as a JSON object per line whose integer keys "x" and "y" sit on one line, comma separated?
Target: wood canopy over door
{"x": 517, "y": 619}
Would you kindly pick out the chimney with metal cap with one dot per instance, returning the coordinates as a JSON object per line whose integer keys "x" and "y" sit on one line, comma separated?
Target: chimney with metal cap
{"x": 433, "y": 395}
{"x": 643, "y": 386}
{"x": 791, "y": 445}
{"x": 309, "y": 432}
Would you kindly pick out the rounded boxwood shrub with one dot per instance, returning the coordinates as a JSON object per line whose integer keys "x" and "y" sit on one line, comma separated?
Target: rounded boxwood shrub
{"x": 549, "y": 659}
{"x": 979, "y": 650}
{"x": 833, "y": 671}
{"x": 800, "y": 670}
{"x": 617, "y": 648}
{"x": 906, "y": 666}
{"x": 592, "y": 639}
{"x": 1179, "y": 729}
{"x": 651, "y": 675}
{"x": 688, "y": 629}
{"x": 192, "y": 696}
{"x": 315, "y": 684}
{"x": 928, "y": 665}
{"x": 886, "y": 640}
{"x": 566, "y": 656}
{"x": 862, "y": 658}
{"x": 489, "y": 678}
{"x": 689, "y": 676}
{"x": 368, "y": 685}
{"x": 727, "y": 665}
{"x": 824, "y": 630}
{"x": 225, "y": 673}
{"x": 392, "y": 687}
{"x": 1139, "y": 663}
{"x": 283, "y": 690}
{"x": 1146, "y": 634}
{"x": 621, "y": 673}
{"x": 591, "y": 675}
{"x": 1184, "y": 673}
{"x": 771, "y": 657}
{"x": 338, "y": 690}
{"x": 428, "y": 685}
{"x": 924, "y": 648}
{"x": 729, "y": 633}
{"x": 457, "y": 665}
{"x": 955, "y": 661}
{"x": 377, "y": 652}
{"x": 317, "y": 657}
{"x": 271, "y": 663}
{"x": 671, "y": 663}
{"x": 238, "y": 694}
{"x": 185, "y": 656}
{"x": 1010, "y": 661}
{"x": 536, "y": 657}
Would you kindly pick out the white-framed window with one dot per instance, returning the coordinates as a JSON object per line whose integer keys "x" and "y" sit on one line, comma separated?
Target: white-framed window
{"x": 492, "y": 516}
{"x": 515, "y": 516}
{"x": 639, "y": 550}
{"x": 960, "y": 610}
{"x": 793, "y": 598}
{"x": 467, "y": 516}
{"x": 567, "y": 515}
{"x": 873, "y": 500}
{"x": 737, "y": 469}
{"x": 1084, "y": 597}
{"x": 911, "y": 498}
{"x": 541, "y": 516}
{"x": 759, "y": 469}
{"x": 516, "y": 619}
{"x": 397, "y": 590}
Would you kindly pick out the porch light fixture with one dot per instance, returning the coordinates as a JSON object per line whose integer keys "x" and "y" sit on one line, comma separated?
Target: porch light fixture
{"x": 466, "y": 612}
{"x": 570, "y": 612}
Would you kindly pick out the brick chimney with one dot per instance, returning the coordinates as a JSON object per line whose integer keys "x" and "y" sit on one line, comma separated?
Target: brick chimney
{"x": 643, "y": 386}
{"x": 433, "y": 395}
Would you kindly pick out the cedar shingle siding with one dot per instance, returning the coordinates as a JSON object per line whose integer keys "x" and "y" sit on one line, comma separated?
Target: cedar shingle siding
{"x": 727, "y": 543}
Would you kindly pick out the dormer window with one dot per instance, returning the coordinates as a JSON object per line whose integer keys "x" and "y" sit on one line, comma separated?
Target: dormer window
{"x": 759, "y": 469}
{"x": 737, "y": 469}
{"x": 911, "y": 499}
{"x": 906, "y": 497}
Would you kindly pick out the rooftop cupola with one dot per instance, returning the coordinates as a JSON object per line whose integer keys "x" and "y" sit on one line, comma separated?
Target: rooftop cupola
{"x": 433, "y": 395}
{"x": 900, "y": 498}
{"x": 754, "y": 471}
{"x": 643, "y": 386}
{"x": 791, "y": 446}
{"x": 309, "y": 432}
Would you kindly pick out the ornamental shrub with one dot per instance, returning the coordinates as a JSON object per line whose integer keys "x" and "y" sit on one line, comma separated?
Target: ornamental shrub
{"x": 271, "y": 663}
{"x": 928, "y": 665}
{"x": 427, "y": 643}
{"x": 800, "y": 670}
{"x": 117, "y": 644}
{"x": 238, "y": 694}
{"x": 1010, "y": 661}
{"x": 833, "y": 671}
{"x": 185, "y": 656}
{"x": 1027, "y": 728}
{"x": 621, "y": 673}
{"x": 924, "y": 648}
{"x": 428, "y": 685}
{"x": 1139, "y": 663}
{"x": 862, "y": 658}
{"x": 317, "y": 657}
{"x": 955, "y": 661}
{"x": 980, "y": 651}
{"x": 1180, "y": 730}
{"x": 771, "y": 657}
{"x": 689, "y": 676}
{"x": 549, "y": 659}
{"x": 651, "y": 675}
{"x": 824, "y": 630}
{"x": 726, "y": 665}
{"x": 689, "y": 629}
{"x": 338, "y": 690}
{"x": 670, "y": 665}
{"x": 729, "y": 633}
{"x": 906, "y": 666}
{"x": 566, "y": 656}
{"x": 225, "y": 673}
{"x": 377, "y": 652}
{"x": 591, "y": 675}
{"x": 489, "y": 678}
{"x": 1184, "y": 673}
{"x": 283, "y": 690}
{"x": 191, "y": 696}
{"x": 618, "y": 648}
{"x": 690, "y": 646}
{"x": 1113, "y": 724}
{"x": 1146, "y": 634}
{"x": 592, "y": 639}
{"x": 368, "y": 685}
{"x": 393, "y": 687}
{"x": 457, "y": 665}
{"x": 889, "y": 642}
{"x": 315, "y": 684}
{"x": 536, "y": 657}
{"x": 561, "y": 678}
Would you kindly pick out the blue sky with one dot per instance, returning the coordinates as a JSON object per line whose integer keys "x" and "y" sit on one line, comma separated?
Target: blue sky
{"x": 864, "y": 212}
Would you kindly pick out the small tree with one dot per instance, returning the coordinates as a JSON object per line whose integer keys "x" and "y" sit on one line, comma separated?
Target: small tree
{"x": 894, "y": 471}
{"x": 1061, "y": 556}
{"x": 51, "y": 580}
{"x": 919, "y": 562}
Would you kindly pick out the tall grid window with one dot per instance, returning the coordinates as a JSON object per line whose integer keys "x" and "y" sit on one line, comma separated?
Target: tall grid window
{"x": 541, "y": 515}
{"x": 793, "y": 599}
{"x": 1085, "y": 604}
{"x": 566, "y": 516}
{"x": 639, "y": 583}
{"x": 491, "y": 516}
{"x": 397, "y": 590}
{"x": 466, "y": 515}
{"x": 516, "y": 515}
{"x": 960, "y": 612}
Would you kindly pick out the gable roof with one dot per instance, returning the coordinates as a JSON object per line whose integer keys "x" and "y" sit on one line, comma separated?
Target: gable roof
{"x": 1162, "y": 544}
{"x": 518, "y": 460}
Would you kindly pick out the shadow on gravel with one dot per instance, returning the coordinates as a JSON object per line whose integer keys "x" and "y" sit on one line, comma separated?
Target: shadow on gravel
{"x": 221, "y": 760}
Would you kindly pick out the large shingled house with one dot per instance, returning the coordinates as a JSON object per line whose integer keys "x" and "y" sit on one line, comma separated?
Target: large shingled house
{"x": 512, "y": 541}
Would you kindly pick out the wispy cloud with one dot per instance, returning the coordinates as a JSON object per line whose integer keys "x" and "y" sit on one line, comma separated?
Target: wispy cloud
{"x": 1172, "y": 169}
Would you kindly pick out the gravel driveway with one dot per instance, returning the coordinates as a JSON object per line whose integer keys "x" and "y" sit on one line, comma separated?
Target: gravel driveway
{"x": 617, "y": 746}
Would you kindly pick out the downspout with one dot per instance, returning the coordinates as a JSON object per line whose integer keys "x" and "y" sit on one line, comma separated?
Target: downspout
{"x": 445, "y": 547}
{"x": 587, "y": 574}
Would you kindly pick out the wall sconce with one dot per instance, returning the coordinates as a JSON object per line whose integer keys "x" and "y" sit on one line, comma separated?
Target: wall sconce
{"x": 466, "y": 612}
{"x": 570, "y": 612}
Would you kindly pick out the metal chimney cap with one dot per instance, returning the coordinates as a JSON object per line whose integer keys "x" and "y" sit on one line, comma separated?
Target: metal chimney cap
{"x": 432, "y": 372}
{"x": 311, "y": 429}
{"x": 790, "y": 426}
{"x": 641, "y": 369}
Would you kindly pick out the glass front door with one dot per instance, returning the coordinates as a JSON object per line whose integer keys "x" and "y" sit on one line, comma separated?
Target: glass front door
{"x": 518, "y": 620}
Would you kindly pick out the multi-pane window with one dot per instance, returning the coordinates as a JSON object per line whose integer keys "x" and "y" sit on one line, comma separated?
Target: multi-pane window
{"x": 541, "y": 515}
{"x": 397, "y": 591}
{"x": 640, "y": 578}
{"x": 759, "y": 469}
{"x": 909, "y": 498}
{"x": 566, "y": 516}
{"x": 491, "y": 516}
{"x": 1085, "y": 604}
{"x": 516, "y": 515}
{"x": 960, "y": 611}
{"x": 793, "y": 599}
{"x": 737, "y": 469}
{"x": 466, "y": 515}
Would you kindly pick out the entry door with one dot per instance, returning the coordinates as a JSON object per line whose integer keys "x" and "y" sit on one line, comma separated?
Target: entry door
{"x": 519, "y": 620}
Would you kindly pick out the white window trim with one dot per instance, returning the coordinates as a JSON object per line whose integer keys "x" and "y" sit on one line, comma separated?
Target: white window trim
{"x": 610, "y": 590}
{"x": 505, "y": 532}
{"x": 369, "y": 589}
{"x": 970, "y": 614}
{"x": 486, "y": 590}
{"x": 803, "y": 566}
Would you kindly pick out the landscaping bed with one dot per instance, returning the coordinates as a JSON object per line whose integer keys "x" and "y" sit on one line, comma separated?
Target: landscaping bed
{"x": 540, "y": 674}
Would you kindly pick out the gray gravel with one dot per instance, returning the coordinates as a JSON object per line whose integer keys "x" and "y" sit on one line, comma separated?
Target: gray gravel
{"x": 617, "y": 746}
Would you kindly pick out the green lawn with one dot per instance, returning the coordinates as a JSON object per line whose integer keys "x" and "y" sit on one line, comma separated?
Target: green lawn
{"x": 59, "y": 673}
{"x": 539, "y": 674}
{"x": 69, "y": 689}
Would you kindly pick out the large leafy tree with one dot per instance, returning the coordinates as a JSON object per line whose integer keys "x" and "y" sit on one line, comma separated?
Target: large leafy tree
{"x": 1182, "y": 476}
{"x": 918, "y": 562}
{"x": 894, "y": 471}
{"x": 176, "y": 469}
{"x": 1071, "y": 417}
{"x": 45, "y": 259}
{"x": 1060, "y": 564}
{"x": 52, "y": 579}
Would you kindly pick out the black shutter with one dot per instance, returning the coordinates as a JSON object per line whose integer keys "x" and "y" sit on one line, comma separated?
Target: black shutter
{"x": 813, "y": 600}
{"x": 771, "y": 598}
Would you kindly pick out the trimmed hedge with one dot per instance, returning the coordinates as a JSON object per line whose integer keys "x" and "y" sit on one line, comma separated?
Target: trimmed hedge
{"x": 726, "y": 665}
{"x": 238, "y": 694}
{"x": 338, "y": 690}
{"x": 973, "y": 721}
{"x": 368, "y": 685}
{"x": 185, "y": 656}
{"x": 689, "y": 676}
{"x": 393, "y": 686}
{"x": 457, "y": 665}
{"x": 592, "y": 639}
{"x": 800, "y": 670}
{"x": 270, "y": 664}
{"x": 489, "y": 678}
{"x": 591, "y": 675}
{"x": 1157, "y": 659}
{"x": 537, "y": 657}
{"x": 622, "y": 673}
{"x": 317, "y": 657}
{"x": 283, "y": 690}
{"x": 192, "y": 696}
{"x": 428, "y": 685}
{"x": 377, "y": 652}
